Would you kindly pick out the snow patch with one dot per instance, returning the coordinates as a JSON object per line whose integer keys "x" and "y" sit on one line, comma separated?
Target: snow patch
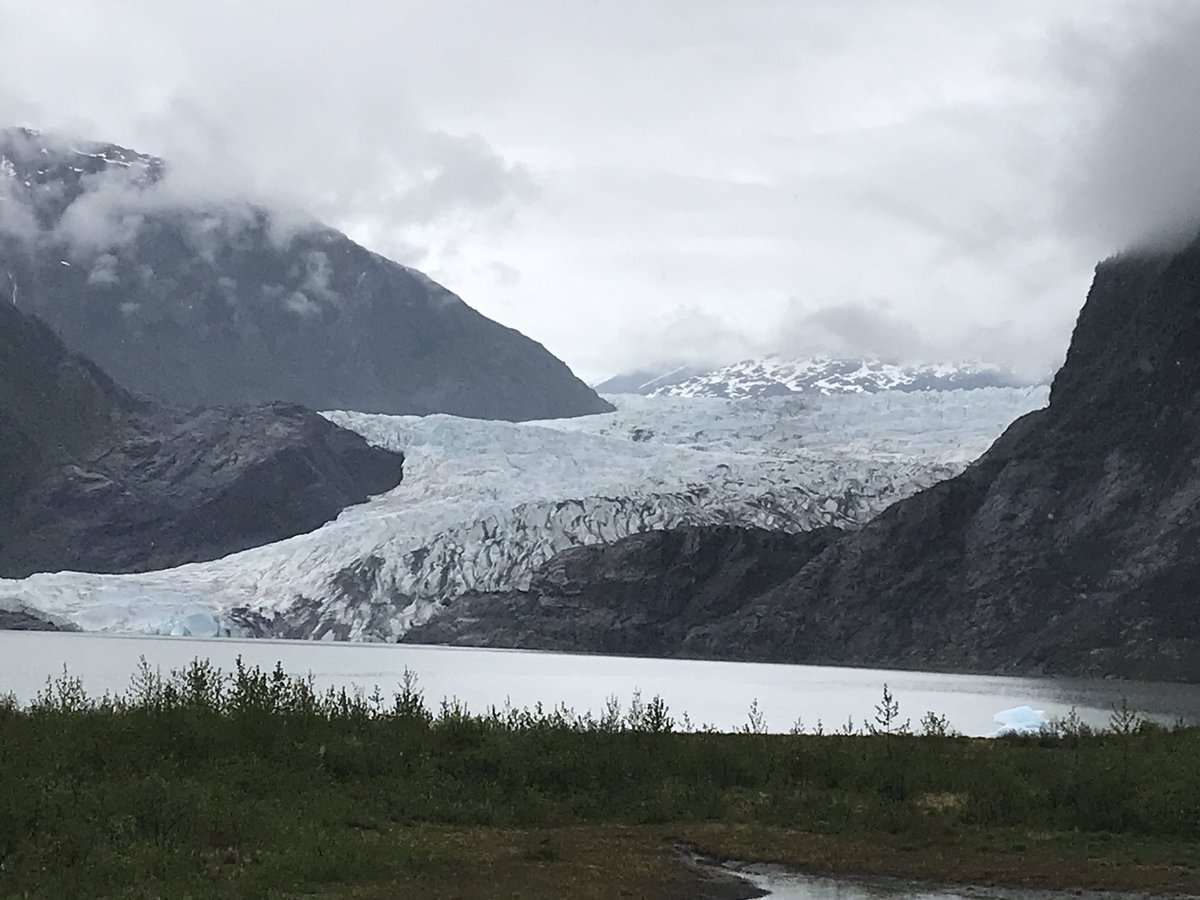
{"x": 776, "y": 376}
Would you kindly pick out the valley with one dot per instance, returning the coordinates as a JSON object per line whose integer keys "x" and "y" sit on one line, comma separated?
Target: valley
{"x": 677, "y": 451}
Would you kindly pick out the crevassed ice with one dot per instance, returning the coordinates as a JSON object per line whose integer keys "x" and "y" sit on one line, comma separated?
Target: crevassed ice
{"x": 483, "y": 503}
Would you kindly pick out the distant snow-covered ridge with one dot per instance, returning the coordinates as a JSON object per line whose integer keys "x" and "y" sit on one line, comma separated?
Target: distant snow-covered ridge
{"x": 483, "y": 503}
{"x": 775, "y": 376}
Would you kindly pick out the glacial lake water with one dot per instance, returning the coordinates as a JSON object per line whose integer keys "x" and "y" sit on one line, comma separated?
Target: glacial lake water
{"x": 715, "y": 693}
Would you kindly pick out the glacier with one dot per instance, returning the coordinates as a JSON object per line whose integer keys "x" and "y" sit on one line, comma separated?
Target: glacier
{"x": 483, "y": 503}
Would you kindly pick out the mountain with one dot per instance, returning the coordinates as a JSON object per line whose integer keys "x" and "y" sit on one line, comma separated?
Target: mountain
{"x": 774, "y": 376}
{"x": 93, "y": 478}
{"x": 199, "y": 302}
{"x": 483, "y": 504}
{"x": 1071, "y": 546}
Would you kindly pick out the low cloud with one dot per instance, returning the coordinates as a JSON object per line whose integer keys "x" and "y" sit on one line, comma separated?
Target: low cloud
{"x": 1136, "y": 176}
{"x": 857, "y": 328}
{"x": 104, "y": 270}
{"x": 872, "y": 329}
{"x": 312, "y": 121}
{"x": 687, "y": 336}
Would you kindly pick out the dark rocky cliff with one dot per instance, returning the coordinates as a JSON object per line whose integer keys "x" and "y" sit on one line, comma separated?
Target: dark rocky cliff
{"x": 199, "y": 302}
{"x": 641, "y": 595}
{"x": 94, "y": 479}
{"x": 1072, "y": 546}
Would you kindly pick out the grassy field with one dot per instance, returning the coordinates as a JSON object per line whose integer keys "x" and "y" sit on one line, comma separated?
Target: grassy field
{"x": 250, "y": 784}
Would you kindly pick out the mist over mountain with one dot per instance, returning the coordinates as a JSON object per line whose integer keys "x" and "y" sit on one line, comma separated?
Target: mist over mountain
{"x": 196, "y": 300}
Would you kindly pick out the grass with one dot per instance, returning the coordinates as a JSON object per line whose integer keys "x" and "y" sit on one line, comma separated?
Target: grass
{"x": 252, "y": 784}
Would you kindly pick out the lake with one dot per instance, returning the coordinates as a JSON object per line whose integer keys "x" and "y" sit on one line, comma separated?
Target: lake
{"x": 716, "y": 693}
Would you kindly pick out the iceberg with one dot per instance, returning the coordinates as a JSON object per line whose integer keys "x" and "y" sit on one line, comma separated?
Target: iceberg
{"x": 1019, "y": 720}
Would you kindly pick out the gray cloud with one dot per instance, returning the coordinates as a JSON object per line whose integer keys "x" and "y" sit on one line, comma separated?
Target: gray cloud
{"x": 104, "y": 270}
{"x": 312, "y": 119}
{"x": 864, "y": 328}
{"x": 688, "y": 180}
{"x": 16, "y": 217}
{"x": 869, "y": 328}
{"x": 1136, "y": 180}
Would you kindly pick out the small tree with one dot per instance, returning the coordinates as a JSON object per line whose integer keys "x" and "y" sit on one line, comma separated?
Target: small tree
{"x": 887, "y": 716}
{"x": 756, "y": 722}
{"x": 1125, "y": 720}
{"x": 933, "y": 725}
{"x": 656, "y": 717}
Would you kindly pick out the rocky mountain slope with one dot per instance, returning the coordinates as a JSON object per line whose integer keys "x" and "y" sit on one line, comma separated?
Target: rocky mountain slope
{"x": 199, "y": 301}
{"x": 1072, "y": 545}
{"x": 642, "y": 595}
{"x": 95, "y": 479}
{"x": 775, "y": 376}
{"x": 484, "y": 503}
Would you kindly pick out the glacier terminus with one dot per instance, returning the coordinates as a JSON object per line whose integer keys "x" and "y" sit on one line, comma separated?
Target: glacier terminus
{"x": 483, "y": 503}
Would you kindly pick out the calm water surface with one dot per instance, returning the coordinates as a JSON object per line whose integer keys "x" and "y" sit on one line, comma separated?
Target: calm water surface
{"x": 716, "y": 693}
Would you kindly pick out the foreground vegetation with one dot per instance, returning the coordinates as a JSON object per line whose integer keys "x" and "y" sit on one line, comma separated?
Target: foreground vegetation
{"x": 252, "y": 784}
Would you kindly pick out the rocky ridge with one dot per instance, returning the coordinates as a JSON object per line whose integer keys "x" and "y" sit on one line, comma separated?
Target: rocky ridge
{"x": 642, "y": 595}
{"x": 93, "y": 478}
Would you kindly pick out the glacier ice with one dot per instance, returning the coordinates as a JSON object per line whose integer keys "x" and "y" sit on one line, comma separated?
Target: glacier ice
{"x": 483, "y": 503}
{"x": 197, "y": 623}
{"x": 1019, "y": 720}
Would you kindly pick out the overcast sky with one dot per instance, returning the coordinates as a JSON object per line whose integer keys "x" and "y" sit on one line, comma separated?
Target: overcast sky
{"x": 637, "y": 182}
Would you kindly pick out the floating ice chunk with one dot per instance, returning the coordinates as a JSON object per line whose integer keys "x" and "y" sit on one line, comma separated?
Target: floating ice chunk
{"x": 1019, "y": 720}
{"x": 197, "y": 623}
{"x": 202, "y": 624}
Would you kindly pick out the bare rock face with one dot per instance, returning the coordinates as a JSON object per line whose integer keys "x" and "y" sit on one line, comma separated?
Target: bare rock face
{"x": 1071, "y": 546}
{"x": 192, "y": 301}
{"x": 642, "y": 595}
{"x": 94, "y": 479}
